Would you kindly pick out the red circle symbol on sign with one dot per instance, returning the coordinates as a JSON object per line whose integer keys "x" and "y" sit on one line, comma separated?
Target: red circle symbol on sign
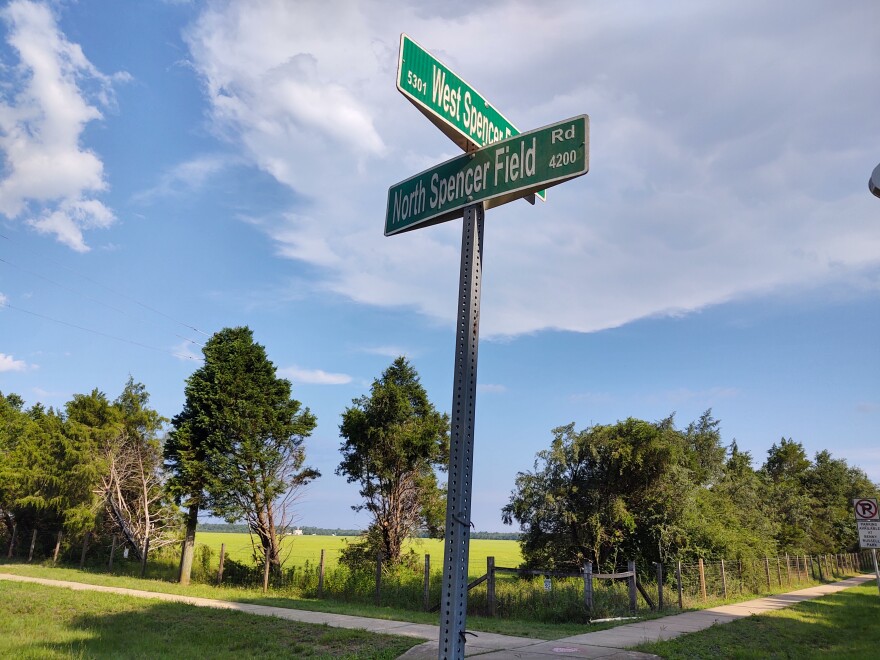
{"x": 866, "y": 509}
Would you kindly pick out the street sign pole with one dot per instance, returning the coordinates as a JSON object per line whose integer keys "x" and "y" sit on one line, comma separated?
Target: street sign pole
{"x": 876, "y": 570}
{"x": 453, "y": 600}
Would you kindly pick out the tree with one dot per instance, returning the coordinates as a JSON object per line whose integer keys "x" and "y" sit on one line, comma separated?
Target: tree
{"x": 237, "y": 449}
{"x": 833, "y": 485}
{"x": 131, "y": 484}
{"x": 394, "y": 440}
{"x": 786, "y": 471}
{"x": 602, "y": 493}
{"x": 15, "y": 427}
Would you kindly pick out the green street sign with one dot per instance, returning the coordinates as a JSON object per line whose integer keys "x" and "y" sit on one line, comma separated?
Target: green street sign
{"x": 451, "y": 104}
{"x": 496, "y": 174}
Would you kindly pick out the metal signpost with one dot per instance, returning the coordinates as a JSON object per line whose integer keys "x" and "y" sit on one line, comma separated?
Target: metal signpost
{"x": 502, "y": 165}
{"x": 452, "y": 105}
{"x": 868, "y": 522}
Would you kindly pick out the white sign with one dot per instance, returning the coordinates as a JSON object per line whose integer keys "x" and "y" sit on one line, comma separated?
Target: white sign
{"x": 868, "y": 521}
{"x": 548, "y": 585}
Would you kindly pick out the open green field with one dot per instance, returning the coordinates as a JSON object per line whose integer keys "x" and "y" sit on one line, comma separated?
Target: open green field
{"x": 841, "y": 626}
{"x": 49, "y": 622}
{"x": 302, "y": 549}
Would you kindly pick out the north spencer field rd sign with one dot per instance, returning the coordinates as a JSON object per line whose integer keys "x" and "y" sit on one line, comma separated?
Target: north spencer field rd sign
{"x": 451, "y": 104}
{"x": 496, "y": 174}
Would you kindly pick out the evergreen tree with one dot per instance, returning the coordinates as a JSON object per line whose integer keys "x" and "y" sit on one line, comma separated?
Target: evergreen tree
{"x": 394, "y": 440}
{"x": 237, "y": 448}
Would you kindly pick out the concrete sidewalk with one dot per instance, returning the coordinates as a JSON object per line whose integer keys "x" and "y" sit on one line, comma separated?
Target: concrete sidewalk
{"x": 609, "y": 644}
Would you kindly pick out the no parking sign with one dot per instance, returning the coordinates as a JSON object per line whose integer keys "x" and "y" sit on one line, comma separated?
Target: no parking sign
{"x": 868, "y": 521}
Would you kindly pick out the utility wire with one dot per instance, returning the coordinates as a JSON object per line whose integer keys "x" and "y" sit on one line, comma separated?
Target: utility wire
{"x": 98, "y": 332}
{"x": 85, "y": 295}
{"x": 121, "y": 295}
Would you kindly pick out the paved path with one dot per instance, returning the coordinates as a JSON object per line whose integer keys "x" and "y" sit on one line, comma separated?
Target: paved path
{"x": 609, "y": 644}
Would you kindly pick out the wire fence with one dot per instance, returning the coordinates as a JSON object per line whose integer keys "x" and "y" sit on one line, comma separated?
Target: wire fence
{"x": 505, "y": 592}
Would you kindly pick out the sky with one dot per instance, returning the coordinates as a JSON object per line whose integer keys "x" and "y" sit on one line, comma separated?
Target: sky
{"x": 172, "y": 168}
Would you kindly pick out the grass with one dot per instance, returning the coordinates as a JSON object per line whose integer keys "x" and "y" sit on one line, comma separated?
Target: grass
{"x": 48, "y": 622}
{"x": 515, "y": 627}
{"x": 301, "y": 549}
{"x": 839, "y": 626}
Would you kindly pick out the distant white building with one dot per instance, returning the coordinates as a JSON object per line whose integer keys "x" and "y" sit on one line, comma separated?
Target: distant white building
{"x": 297, "y": 532}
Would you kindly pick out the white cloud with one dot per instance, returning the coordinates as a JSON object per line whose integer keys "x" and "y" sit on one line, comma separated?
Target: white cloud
{"x": 729, "y": 149}
{"x": 186, "y": 351}
{"x": 707, "y": 397}
{"x": 388, "y": 351}
{"x": 49, "y": 178}
{"x": 313, "y": 376}
{"x": 189, "y": 175}
{"x": 8, "y": 363}
{"x": 42, "y": 394}
{"x": 491, "y": 388}
{"x": 3, "y": 299}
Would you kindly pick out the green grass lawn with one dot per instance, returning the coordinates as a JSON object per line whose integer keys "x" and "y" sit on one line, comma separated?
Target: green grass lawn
{"x": 301, "y": 549}
{"x": 515, "y": 627}
{"x": 845, "y": 625}
{"x": 50, "y": 622}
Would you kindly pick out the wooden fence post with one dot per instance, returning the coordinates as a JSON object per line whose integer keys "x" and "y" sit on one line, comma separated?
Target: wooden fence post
{"x": 588, "y": 586}
{"x": 767, "y": 571}
{"x": 778, "y": 571}
{"x": 321, "y": 576}
{"x": 723, "y": 580}
{"x": 144, "y": 557}
{"x": 788, "y": 569}
{"x": 702, "y": 578}
{"x": 33, "y": 544}
{"x": 427, "y": 587}
{"x": 112, "y": 552}
{"x": 265, "y": 569}
{"x": 678, "y": 581}
{"x": 82, "y": 559}
{"x": 378, "y": 578}
{"x": 659, "y": 586}
{"x": 631, "y": 566}
{"x": 490, "y": 584}
{"x": 12, "y": 540}
{"x": 57, "y": 548}
{"x": 222, "y": 559}
{"x": 819, "y": 565}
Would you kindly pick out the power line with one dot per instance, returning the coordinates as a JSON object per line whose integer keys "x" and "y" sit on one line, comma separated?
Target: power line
{"x": 113, "y": 291}
{"x": 99, "y": 333}
{"x": 84, "y": 295}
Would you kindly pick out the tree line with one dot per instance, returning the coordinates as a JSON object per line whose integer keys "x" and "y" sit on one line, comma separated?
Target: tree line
{"x": 653, "y": 492}
{"x": 237, "y": 450}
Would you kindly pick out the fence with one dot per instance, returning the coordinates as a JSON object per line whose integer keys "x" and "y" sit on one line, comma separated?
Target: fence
{"x": 499, "y": 592}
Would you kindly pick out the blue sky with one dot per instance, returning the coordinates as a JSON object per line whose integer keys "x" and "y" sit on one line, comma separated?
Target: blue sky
{"x": 171, "y": 168}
